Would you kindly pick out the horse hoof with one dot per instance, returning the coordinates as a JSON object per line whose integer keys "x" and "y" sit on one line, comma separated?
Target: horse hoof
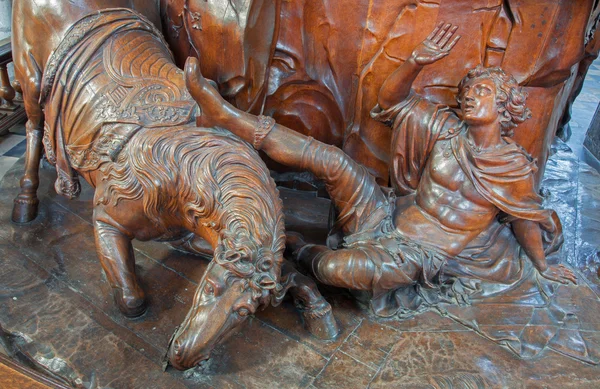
{"x": 134, "y": 312}
{"x": 321, "y": 323}
{"x": 24, "y": 209}
{"x": 130, "y": 306}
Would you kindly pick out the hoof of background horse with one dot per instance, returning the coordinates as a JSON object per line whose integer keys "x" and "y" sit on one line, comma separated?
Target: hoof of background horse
{"x": 24, "y": 209}
{"x": 130, "y": 306}
{"x": 320, "y": 322}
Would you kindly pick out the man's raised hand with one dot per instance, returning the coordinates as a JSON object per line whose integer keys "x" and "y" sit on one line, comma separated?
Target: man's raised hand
{"x": 437, "y": 45}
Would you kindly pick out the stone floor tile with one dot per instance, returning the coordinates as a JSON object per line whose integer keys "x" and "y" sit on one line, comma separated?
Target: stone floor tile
{"x": 5, "y": 164}
{"x": 260, "y": 357}
{"x": 588, "y": 225}
{"x": 18, "y": 150}
{"x": 448, "y": 360}
{"x": 371, "y": 343}
{"x": 7, "y": 142}
{"x": 18, "y": 129}
{"x": 343, "y": 371}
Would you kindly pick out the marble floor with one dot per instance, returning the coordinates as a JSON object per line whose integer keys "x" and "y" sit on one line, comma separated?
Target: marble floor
{"x": 12, "y": 147}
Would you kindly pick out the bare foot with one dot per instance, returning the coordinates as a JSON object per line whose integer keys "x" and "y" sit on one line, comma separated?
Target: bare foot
{"x": 214, "y": 109}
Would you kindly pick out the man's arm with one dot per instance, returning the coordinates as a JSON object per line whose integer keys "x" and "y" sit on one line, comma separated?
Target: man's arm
{"x": 529, "y": 236}
{"x": 396, "y": 88}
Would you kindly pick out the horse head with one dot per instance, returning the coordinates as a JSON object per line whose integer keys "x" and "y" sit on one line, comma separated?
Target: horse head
{"x": 237, "y": 283}
{"x": 232, "y": 194}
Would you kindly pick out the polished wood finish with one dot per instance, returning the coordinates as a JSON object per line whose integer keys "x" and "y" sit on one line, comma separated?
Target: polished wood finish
{"x": 458, "y": 178}
{"x": 14, "y": 375}
{"x": 115, "y": 111}
{"x": 388, "y": 104}
{"x": 7, "y": 92}
{"x": 330, "y": 59}
{"x": 66, "y": 320}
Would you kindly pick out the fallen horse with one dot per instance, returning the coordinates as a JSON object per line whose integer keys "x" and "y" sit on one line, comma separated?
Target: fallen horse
{"x": 117, "y": 113}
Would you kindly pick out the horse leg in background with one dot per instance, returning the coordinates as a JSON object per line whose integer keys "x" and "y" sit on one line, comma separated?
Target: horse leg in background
{"x": 316, "y": 311}
{"x": 193, "y": 244}
{"x": 25, "y": 206}
{"x": 118, "y": 261}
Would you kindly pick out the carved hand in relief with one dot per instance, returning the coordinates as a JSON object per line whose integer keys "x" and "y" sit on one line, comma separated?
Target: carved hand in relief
{"x": 560, "y": 274}
{"x": 437, "y": 45}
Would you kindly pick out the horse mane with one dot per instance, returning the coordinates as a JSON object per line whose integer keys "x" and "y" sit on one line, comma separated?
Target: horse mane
{"x": 211, "y": 177}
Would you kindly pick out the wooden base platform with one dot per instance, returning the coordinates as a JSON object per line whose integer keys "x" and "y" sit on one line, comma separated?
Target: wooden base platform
{"x": 57, "y": 313}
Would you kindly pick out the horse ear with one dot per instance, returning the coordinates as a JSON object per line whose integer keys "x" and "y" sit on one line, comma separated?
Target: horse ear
{"x": 191, "y": 215}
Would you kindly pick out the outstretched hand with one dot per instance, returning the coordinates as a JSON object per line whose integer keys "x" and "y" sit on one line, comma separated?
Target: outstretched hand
{"x": 437, "y": 45}
{"x": 559, "y": 274}
{"x": 213, "y": 108}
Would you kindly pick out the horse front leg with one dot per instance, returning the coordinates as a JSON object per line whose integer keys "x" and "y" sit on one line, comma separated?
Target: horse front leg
{"x": 118, "y": 261}
{"x": 316, "y": 311}
{"x": 25, "y": 206}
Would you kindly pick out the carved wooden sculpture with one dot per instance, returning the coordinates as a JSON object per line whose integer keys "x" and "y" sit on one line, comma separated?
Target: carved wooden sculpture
{"x": 464, "y": 181}
{"x": 117, "y": 113}
{"x": 317, "y": 65}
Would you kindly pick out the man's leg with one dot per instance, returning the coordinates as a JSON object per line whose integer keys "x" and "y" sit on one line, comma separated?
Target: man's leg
{"x": 362, "y": 267}
{"x": 354, "y": 192}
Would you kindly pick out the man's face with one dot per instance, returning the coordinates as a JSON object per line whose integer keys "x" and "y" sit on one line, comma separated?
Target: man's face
{"x": 478, "y": 102}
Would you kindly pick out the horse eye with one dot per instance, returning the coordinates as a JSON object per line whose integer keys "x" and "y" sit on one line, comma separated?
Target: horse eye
{"x": 209, "y": 289}
{"x": 243, "y": 312}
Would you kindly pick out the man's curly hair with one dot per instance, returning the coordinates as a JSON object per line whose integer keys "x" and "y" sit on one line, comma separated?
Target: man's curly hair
{"x": 509, "y": 95}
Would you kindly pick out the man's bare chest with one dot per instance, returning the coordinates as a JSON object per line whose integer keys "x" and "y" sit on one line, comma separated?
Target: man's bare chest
{"x": 445, "y": 173}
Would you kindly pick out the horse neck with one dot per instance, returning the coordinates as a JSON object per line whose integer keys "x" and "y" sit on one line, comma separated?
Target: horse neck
{"x": 52, "y": 19}
{"x": 262, "y": 233}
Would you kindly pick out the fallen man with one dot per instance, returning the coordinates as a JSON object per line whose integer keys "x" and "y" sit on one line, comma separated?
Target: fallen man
{"x": 463, "y": 176}
{"x": 469, "y": 225}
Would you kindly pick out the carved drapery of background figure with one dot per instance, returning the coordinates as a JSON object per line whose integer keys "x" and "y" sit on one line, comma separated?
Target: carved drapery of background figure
{"x": 326, "y": 61}
{"x": 592, "y": 48}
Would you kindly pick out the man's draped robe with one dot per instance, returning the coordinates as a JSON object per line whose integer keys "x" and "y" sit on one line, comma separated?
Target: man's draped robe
{"x": 503, "y": 176}
{"x": 492, "y": 273}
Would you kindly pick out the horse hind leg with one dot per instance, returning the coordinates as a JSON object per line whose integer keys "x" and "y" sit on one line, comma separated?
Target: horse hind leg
{"x": 316, "y": 311}
{"x": 193, "y": 244}
{"x": 25, "y": 206}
